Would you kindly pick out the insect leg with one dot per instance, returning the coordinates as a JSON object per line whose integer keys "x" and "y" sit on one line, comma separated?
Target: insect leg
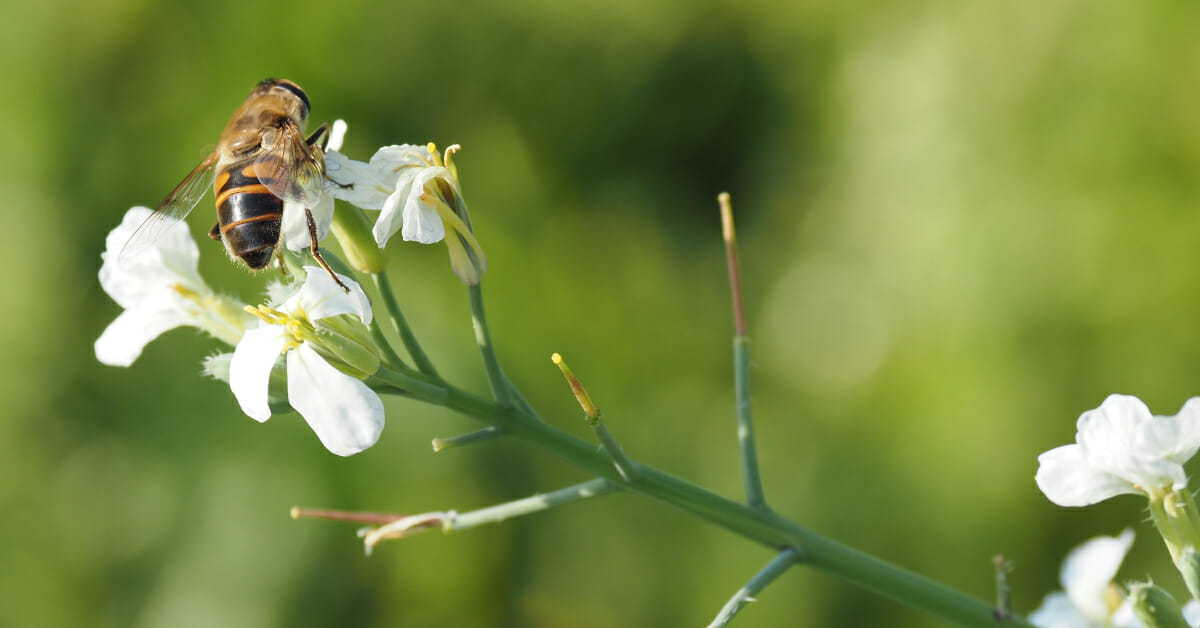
{"x": 316, "y": 251}
{"x": 215, "y": 232}
{"x": 316, "y": 136}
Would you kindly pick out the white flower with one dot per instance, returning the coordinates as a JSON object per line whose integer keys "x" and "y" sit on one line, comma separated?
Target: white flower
{"x": 419, "y": 195}
{"x": 159, "y": 286}
{"x": 1121, "y": 449}
{"x": 1090, "y": 598}
{"x": 346, "y": 415}
{"x": 294, "y": 225}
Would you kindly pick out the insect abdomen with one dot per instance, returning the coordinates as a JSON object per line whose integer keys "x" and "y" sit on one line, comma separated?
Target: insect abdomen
{"x": 249, "y": 215}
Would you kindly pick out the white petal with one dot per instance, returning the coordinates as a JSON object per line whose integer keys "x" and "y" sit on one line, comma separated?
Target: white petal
{"x": 1057, "y": 611}
{"x": 124, "y": 338}
{"x": 1067, "y": 478}
{"x": 345, "y": 414}
{"x": 294, "y": 225}
{"x": 337, "y": 135}
{"x": 1090, "y": 568}
{"x": 421, "y": 220}
{"x": 1191, "y": 613}
{"x": 146, "y": 273}
{"x": 1125, "y": 617}
{"x": 320, "y": 297}
{"x": 1187, "y": 437}
{"x": 357, "y": 182}
{"x": 250, "y": 369}
{"x": 390, "y": 219}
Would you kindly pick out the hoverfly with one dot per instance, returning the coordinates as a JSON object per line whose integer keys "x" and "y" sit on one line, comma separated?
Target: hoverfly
{"x": 262, "y": 160}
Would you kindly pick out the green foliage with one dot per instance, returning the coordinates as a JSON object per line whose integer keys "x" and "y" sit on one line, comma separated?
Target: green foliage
{"x": 960, "y": 226}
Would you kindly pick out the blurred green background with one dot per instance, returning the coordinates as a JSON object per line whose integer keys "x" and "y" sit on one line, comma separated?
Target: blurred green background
{"x": 962, "y": 224}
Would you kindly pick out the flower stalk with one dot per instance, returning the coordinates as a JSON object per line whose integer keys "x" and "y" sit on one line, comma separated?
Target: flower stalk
{"x": 760, "y": 581}
{"x": 741, "y": 362}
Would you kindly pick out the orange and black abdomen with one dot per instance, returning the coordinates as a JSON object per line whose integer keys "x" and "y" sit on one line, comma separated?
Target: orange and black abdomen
{"x": 248, "y": 214}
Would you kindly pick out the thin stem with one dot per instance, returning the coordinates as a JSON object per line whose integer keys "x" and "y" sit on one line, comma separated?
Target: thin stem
{"x": 451, "y": 521}
{"x": 626, "y": 467}
{"x": 390, "y": 357}
{"x": 741, "y": 362}
{"x": 402, "y": 328}
{"x": 485, "y": 434}
{"x": 591, "y": 415}
{"x": 729, "y": 234}
{"x": 370, "y": 518}
{"x": 388, "y": 380}
{"x": 483, "y": 338}
{"x": 1003, "y": 588}
{"x": 759, "y": 525}
{"x": 529, "y": 505}
{"x": 745, "y": 420}
{"x": 760, "y": 581}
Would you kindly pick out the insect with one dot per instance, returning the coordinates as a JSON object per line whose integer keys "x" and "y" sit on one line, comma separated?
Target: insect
{"x": 262, "y": 160}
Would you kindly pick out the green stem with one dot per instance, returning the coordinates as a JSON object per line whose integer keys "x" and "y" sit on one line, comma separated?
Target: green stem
{"x": 760, "y": 525}
{"x": 521, "y": 507}
{"x": 483, "y": 338}
{"x": 485, "y": 434}
{"x": 760, "y": 581}
{"x": 626, "y": 467}
{"x": 741, "y": 380}
{"x": 402, "y": 328}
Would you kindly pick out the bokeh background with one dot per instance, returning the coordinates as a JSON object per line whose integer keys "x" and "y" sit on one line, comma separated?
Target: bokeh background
{"x": 962, "y": 224}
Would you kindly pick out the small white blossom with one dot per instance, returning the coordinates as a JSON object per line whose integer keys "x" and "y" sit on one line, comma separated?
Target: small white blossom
{"x": 160, "y": 288}
{"x": 418, "y": 193}
{"x": 1121, "y": 449}
{"x": 346, "y": 415}
{"x": 1089, "y": 598}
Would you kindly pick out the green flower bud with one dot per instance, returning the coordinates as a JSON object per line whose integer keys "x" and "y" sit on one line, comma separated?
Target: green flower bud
{"x": 1155, "y": 607}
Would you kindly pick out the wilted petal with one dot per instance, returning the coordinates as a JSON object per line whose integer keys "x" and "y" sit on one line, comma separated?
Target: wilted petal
{"x": 123, "y": 340}
{"x": 345, "y": 414}
{"x": 1090, "y": 568}
{"x": 1068, "y": 478}
{"x": 250, "y": 369}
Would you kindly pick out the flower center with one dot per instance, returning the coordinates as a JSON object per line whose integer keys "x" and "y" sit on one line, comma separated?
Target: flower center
{"x": 297, "y": 326}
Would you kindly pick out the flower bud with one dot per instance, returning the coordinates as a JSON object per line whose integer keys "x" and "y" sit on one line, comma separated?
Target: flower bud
{"x": 1155, "y": 607}
{"x": 353, "y": 231}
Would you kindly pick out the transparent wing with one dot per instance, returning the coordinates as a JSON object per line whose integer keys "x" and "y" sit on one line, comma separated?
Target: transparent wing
{"x": 178, "y": 204}
{"x": 289, "y": 167}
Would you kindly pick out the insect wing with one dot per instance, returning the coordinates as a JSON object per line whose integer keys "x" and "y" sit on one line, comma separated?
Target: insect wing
{"x": 178, "y": 204}
{"x": 289, "y": 167}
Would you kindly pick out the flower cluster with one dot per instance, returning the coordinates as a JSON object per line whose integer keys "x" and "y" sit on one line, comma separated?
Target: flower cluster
{"x": 1122, "y": 449}
{"x": 313, "y": 337}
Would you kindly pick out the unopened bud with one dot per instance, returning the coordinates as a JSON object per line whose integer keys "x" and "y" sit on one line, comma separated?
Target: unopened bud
{"x": 1155, "y": 607}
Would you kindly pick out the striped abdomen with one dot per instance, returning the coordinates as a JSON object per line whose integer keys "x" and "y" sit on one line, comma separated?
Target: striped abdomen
{"x": 248, "y": 215}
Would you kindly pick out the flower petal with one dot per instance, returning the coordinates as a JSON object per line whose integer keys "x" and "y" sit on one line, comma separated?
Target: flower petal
{"x": 124, "y": 338}
{"x": 421, "y": 220}
{"x": 294, "y": 225}
{"x": 1067, "y": 478}
{"x": 250, "y": 369}
{"x": 337, "y": 135}
{"x": 1191, "y": 613}
{"x": 345, "y": 414}
{"x": 147, "y": 272}
{"x": 1090, "y": 568}
{"x": 357, "y": 182}
{"x": 1057, "y": 611}
{"x": 320, "y": 297}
